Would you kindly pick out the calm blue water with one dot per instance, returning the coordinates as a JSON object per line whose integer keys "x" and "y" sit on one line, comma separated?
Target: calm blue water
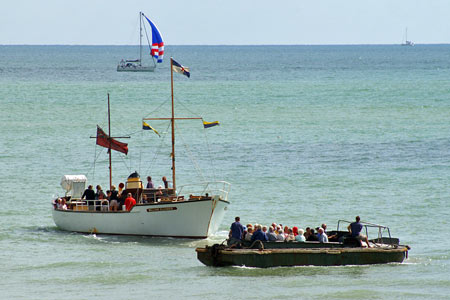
{"x": 308, "y": 134}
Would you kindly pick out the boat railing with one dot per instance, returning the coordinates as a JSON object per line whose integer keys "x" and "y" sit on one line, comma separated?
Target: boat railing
{"x": 221, "y": 188}
{"x": 86, "y": 205}
{"x": 380, "y": 230}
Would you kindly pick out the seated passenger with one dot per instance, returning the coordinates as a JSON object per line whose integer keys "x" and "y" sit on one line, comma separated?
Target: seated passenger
{"x": 280, "y": 235}
{"x": 322, "y": 236}
{"x": 286, "y": 231}
{"x": 249, "y": 234}
{"x": 129, "y": 202}
{"x": 312, "y": 237}
{"x": 300, "y": 237}
{"x": 307, "y": 233}
{"x": 264, "y": 229}
{"x": 355, "y": 230}
{"x": 159, "y": 193}
{"x": 291, "y": 236}
{"x": 259, "y": 235}
{"x": 58, "y": 203}
{"x": 63, "y": 204}
{"x": 295, "y": 230}
{"x": 271, "y": 235}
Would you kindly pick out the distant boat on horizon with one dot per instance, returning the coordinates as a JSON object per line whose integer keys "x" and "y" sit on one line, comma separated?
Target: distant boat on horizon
{"x": 407, "y": 42}
{"x": 156, "y": 50}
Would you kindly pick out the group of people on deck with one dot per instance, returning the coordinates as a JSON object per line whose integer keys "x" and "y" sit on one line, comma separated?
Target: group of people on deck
{"x": 278, "y": 233}
{"x": 114, "y": 199}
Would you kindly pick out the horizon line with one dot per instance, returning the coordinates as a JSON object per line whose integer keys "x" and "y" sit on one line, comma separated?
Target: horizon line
{"x": 228, "y": 45}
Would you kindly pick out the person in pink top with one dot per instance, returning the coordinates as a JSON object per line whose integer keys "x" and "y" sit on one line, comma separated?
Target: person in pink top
{"x": 129, "y": 202}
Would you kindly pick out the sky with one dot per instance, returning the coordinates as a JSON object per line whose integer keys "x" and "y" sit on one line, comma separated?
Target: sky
{"x": 232, "y": 22}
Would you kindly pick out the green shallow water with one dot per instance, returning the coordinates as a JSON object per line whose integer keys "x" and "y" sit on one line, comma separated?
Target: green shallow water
{"x": 308, "y": 134}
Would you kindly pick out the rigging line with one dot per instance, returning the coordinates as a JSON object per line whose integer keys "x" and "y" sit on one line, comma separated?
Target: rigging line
{"x": 157, "y": 108}
{"x": 187, "y": 108}
{"x": 189, "y": 154}
{"x": 213, "y": 167}
{"x": 124, "y": 162}
{"x": 146, "y": 35}
{"x": 96, "y": 156}
{"x": 140, "y": 152}
{"x": 158, "y": 150}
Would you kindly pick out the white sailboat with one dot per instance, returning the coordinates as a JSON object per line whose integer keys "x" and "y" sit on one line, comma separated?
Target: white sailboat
{"x": 190, "y": 211}
{"x": 156, "y": 50}
{"x": 407, "y": 42}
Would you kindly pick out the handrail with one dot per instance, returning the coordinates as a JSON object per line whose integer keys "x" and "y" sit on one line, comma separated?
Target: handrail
{"x": 367, "y": 225}
{"x": 222, "y": 188}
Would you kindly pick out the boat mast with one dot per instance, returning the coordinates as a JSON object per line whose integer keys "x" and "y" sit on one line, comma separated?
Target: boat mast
{"x": 110, "y": 141}
{"x": 140, "y": 38}
{"x": 172, "y": 121}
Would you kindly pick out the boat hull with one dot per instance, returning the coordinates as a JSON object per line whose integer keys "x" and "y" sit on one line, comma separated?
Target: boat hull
{"x": 135, "y": 69}
{"x": 214, "y": 256}
{"x": 185, "y": 219}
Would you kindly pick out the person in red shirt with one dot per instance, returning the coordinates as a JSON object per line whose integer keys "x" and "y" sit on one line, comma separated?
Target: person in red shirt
{"x": 129, "y": 202}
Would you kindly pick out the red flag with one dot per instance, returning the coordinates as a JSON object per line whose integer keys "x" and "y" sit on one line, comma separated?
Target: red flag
{"x": 105, "y": 141}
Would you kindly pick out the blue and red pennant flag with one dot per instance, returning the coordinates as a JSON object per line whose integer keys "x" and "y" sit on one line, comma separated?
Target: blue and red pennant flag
{"x": 157, "y": 42}
{"x": 180, "y": 69}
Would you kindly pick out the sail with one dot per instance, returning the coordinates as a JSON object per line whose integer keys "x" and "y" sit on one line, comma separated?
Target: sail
{"x": 157, "y": 42}
{"x": 105, "y": 141}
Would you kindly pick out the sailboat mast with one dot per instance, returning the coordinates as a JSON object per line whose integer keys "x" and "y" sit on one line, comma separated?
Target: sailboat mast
{"x": 140, "y": 37}
{"x": 110, "y": 141}
{"x": 173, "y": 128}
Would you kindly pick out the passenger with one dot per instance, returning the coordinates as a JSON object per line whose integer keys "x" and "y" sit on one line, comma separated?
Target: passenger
{"x": 280, "y": 236}
{"x": 286, "y": 231}
{"x": 159, "y": 193}
{"x": 99, "y": 195}
{"x": 307, "y": 233}
{"x": 249, "y": 234}
{"x": 312, "y": 237}
{"x": 271, "y": 235}
{"x": 63, "y": 204}
{"x": 355, "y": 230}
{"x": 259, "y": 235}
{"x": 330, "y": 237}
{"x": 89, "y": 193}
{"x": 290, "y": 237}
{"x": 295, "y": 230}
{"x": 300, "y": 237}
{"x": 58, "y": 203}
{"x": 236, "y": 232}
{"x": 322, "y": 236}
{"x": 264, "y": 229}
{"x": 150, "y": 183}
{"x": 113, "y": 199}
{"x": 246, "y": 231}
{"x": 166, "y": 183}
{"x": 129, "y": 202}
{"x": 145, "y": 199}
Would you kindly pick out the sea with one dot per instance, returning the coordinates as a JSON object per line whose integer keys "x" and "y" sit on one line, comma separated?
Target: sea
{"x": 307, "y": 135}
